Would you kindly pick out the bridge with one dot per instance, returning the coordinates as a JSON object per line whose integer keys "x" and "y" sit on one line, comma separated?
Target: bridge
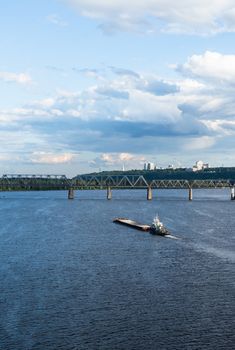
{"x": 39, "y": 182}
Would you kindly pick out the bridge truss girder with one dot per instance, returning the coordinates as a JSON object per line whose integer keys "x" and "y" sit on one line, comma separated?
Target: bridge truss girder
{"x": 85, "y": 182}
{"x": 138, "y": 181}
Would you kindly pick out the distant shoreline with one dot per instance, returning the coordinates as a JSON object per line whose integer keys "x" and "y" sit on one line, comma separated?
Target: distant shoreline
{"x": 178, "y": 174}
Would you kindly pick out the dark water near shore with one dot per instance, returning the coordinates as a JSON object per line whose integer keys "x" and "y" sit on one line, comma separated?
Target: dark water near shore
{"x": 71, "y": 279}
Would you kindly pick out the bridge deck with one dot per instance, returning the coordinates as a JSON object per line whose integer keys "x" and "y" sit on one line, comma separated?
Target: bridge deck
{"x": 61, "y": 182}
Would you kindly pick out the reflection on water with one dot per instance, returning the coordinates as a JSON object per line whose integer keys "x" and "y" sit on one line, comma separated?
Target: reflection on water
{"x": 71, "y": 279}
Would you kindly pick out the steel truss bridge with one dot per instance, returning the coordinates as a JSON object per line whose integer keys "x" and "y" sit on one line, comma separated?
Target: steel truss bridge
{"x": 138, "y": 181}
{"x": 26, "y": 182}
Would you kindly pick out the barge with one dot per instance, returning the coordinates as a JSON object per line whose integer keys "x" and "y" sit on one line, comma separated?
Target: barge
{"x": 133, "y": 224}
{"x": 156, "y": 228}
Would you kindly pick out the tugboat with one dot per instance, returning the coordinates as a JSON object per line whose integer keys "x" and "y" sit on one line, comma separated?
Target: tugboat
{"x": 157, "y": 228}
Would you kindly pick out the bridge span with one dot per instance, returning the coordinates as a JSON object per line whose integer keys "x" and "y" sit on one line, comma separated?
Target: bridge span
{"x": 38, "y": 182}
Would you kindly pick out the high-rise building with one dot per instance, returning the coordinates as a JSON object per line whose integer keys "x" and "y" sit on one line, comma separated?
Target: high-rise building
{"x": 200, "y": 165}
{"x": 149, "y": 166}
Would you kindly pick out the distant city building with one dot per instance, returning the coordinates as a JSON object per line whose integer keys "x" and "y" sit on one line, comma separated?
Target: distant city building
{"x": 149, "y": 166}
{"x": 200, "y": 166}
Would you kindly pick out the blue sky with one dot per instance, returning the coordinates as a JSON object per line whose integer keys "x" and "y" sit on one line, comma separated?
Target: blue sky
{"x": 95, "y": 84}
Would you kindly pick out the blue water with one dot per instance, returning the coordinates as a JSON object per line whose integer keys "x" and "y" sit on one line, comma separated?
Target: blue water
{"x": 72, "y": 279}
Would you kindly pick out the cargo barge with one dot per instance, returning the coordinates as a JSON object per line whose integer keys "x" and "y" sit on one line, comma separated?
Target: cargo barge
{"x": 132, "y": 224}
{"x": 156, "y": 228}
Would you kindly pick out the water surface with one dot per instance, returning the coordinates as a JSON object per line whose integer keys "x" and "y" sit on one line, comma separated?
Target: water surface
{"x": 72, "y": 279}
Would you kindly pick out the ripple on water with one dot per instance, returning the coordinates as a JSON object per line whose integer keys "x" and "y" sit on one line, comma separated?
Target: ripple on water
{"x": 71, "y": 279}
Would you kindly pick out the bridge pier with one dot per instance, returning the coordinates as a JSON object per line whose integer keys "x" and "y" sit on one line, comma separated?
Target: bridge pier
{"x": 149, "y": 193}
{"x": 190, "y": 194}
{"x": 232, "y": 193}
{"x": 71, "y": 193}
{"x": 109, "y": 193}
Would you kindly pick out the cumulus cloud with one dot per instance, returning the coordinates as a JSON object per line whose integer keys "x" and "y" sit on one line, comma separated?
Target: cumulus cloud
{"x": 200, "y": 143}
{"x": 125, "y": 114}
{"x": 210, "y": 65}
{"x": 187, "y": 16}
{"x": 112, "y": 93}
{"x": 51, "y": 158}
{"x": 159, "y": 87}
{"x": 20, "y": 78}
{"x": 117, "y": 160}
{"x": 222, "y": 127}
{"x": 114, "y": 158}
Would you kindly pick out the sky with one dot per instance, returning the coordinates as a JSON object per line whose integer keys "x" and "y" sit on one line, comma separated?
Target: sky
{"x": 90, "y": 85}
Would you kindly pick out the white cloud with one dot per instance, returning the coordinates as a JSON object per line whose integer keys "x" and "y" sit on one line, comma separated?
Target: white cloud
{"x": 118, "y": 160}
{"x": 199, "y": 143}
{"x": 151, "y": 108}
{"x": 125, "y": 157}
{"x": 51, "y": 158}
{"x": 222, "y": 127}
{"x": 20, "y": 78}
{"x": 133, "y": 98}
{"x": 125, "y": 98}
{"x": 156, "y": 115}
{"x": 188, "y": 16}
{"x": 210, "y": 65}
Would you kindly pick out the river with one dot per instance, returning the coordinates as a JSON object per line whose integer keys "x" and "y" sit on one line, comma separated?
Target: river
{"x": 72, "y": 279}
